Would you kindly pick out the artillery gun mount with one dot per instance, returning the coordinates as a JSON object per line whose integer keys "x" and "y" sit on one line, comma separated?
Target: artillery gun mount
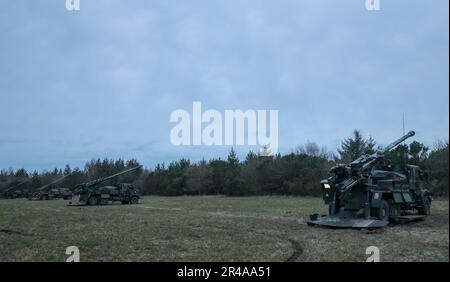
{"x": 91, "y": 193}
{"x": 361, "y": 195}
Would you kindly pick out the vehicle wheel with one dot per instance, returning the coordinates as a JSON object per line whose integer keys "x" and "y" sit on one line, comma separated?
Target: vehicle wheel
{"x": 382, "y": 213}
{"x": 134, "y": 200}
{"x": 394, "y": 211}
{"x": 425, "y": 209}
{"x": 103, "y": 202}
{"x": 92, "y": 201}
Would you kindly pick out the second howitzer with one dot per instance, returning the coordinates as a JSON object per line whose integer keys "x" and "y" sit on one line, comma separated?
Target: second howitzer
{"x": 90, "y": 193}
{"x": 46, "y": 192}
{"x": 14, "y": 191}
{"x": 367, "y": 193}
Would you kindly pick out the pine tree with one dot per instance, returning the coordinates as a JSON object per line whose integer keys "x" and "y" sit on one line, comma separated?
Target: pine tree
{"x": 417, "y": 152}
{"x": 67, "y": 170}
{"x": 370, "y": 146}
{"x": 35, "y": 180}
{"x": 250, "y": 156}
{"x": 231, "y": 185}
{"x": 353, "y": 147}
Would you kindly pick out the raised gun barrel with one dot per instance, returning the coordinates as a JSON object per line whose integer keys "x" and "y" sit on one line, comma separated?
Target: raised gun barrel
{"x": 100, "y": 180}
{"x": 16, "y": 186}
{"x": 46, "y": 186}
{"x": 397, "y": 142}
{"x": 365, "y": 162}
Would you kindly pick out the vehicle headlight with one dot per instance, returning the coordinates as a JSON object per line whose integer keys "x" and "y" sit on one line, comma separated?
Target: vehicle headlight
{"x": 326, "y": 186}
{"x": 376, "y": 196}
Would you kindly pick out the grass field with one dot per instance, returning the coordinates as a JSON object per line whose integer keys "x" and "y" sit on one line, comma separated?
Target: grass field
{"x": 207, "y": 228}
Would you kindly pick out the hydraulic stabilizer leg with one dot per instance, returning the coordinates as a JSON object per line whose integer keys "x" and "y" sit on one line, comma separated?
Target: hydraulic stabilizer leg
{"x": 367, "y": 206}
{"x": 332, "y": 207}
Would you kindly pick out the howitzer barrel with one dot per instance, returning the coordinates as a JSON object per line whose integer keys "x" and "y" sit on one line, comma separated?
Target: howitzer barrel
{"x": 397, "y": 142}
{"x": 366, "y": 163}
{"x": 16, "y": 186}
{"x": 100, "y": 180}
{"x": 44, "y": 188}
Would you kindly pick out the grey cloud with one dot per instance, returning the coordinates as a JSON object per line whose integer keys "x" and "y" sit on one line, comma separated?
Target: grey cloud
{"x": 103, "y": 82}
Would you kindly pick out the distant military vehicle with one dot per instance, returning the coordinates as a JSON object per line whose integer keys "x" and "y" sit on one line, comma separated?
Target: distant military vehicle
{"x": 91, "y": 193}
{"x": 361, "y": 195}
{"x": 14, "y": 191}
{"x": 65, "y": 193}
{"x": 12, "y": 194}
{"x": 54, "y": 193}
{"x": 47, "y": 193}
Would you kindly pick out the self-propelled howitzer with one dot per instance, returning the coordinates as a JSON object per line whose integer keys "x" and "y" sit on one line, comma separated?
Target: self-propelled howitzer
{"x": 103, "y": 179}
{"x": 91, "y": 193}
{"x": 14, "y": 191}
{"x": 366, "y": 163}
{"x": 359, "y": 194}
{"x": 46, "y": 192}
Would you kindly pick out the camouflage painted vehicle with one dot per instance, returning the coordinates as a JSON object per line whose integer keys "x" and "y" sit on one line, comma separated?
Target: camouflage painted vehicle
{"x": 47, "y": 193}
{"x": 50, "y": 194}
{"x": 14, "y": 192}
{"x": 123, "y": 192}
{"x": 366, "y": 194}
{"x": 65, "y": 193}
{"x": 91, "y": 193}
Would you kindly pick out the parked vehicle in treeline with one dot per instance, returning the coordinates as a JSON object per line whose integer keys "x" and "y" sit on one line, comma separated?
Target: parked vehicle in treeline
{"x": 90, "y": 193}
{"x": 14, "y": 192}
{"x": 361, "y": 195}
{"x": 65, "y": 193}
{"x": 47, "y": 193}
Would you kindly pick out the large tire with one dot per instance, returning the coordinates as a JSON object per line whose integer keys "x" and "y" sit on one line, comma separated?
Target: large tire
{"x": 134, "y": 200}
{"x": 103, "y": 201}
{"x": 394, "y": 211}
{"x": 382, "y": 212}
{"x": 425, "y": 209}
{"x": 92, "y": 201}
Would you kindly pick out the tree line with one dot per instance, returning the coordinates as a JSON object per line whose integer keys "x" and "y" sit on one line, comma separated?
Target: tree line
{"x": 297, "y": 173}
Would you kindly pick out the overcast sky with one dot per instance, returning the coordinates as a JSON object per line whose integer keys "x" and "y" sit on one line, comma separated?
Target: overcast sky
{"x": 103, "y": 81}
